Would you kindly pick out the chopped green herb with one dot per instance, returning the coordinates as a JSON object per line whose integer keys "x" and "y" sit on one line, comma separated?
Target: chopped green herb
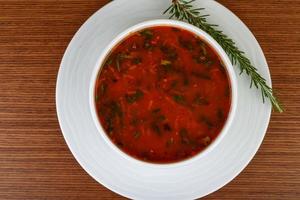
{"x": 134, "y": 121}
{"x": 108, "y": 62}
{"x": 155, "y": 128}
{"x": 161, "y": 118}
{"x": 185, "y": 44}
{"x": 109, "y": 125}
{"x": 200, "y": 42}
{"x": 179, "y": 99}
{"x": 169, "y": 52}
{"x": 206, "y": 121}
{"x": 148, "y": 34}
{"x": 96, "y": 98}
{"x": 134, "y": 97}
{"x": 103, "y": 89}
{"x": 119, "y": 58}
{"x": 116, "y": 108}
{"x": 137, "y": 61}
{"x": 148, "y": 46}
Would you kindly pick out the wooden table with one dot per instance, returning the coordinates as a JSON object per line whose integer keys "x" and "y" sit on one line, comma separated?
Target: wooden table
{"x": 35, "y": 162}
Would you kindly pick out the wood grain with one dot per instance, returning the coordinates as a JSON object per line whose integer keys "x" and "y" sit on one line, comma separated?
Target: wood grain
{"x": 35, "y": 162}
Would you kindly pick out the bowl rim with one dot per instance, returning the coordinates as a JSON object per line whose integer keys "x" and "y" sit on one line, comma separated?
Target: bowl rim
{"x": 204, "y": 36}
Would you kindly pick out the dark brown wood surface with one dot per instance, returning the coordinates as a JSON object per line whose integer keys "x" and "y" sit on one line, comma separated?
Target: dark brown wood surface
{"x": 35, "y": 162}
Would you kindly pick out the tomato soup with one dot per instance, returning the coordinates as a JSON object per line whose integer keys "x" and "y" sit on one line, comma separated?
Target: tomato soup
{"x": 162, "y": 95}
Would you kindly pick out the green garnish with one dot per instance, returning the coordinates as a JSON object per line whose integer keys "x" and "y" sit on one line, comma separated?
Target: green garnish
{"x": 179, "y": 99}
{"x": 148, "y": 34}
{"x": 155, "y": 128}
{"x": 135, "y": 121}
{"x": 103, "y": 89}
{"x": 119, "y": 58}
{"x": 116, "y": 109}
{"x": 161, "y": 118}
{"x": 110, "y": 125}
{"x": 108, "y": 62}
{"x": 206, "y": 121}
{"x": 137, "y": 61}
{"x": 169, "y": 52}
{"x": 134, "y": 97}
{"x": 186, "y": 44}
{"x": 184, "y": 136}
{"x": 183, "y": 10}
{"x": 148, "y": 46}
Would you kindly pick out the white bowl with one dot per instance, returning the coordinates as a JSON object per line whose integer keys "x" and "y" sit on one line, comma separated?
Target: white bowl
{"x": 205, "y": 37}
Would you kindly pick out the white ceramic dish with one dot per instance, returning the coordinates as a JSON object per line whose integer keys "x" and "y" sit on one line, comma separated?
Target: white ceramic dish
{"x": 133, "y": 179}
{"x": 182, "y": 25}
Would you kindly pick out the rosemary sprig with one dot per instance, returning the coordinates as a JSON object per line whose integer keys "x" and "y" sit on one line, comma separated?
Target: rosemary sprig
{"x": 183, "y": 10}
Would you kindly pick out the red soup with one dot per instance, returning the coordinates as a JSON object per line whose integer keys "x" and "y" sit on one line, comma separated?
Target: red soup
{"x": 162, "y": 95}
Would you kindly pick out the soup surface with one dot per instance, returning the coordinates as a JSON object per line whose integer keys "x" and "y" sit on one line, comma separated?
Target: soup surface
{"x": 162, "y": 95}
